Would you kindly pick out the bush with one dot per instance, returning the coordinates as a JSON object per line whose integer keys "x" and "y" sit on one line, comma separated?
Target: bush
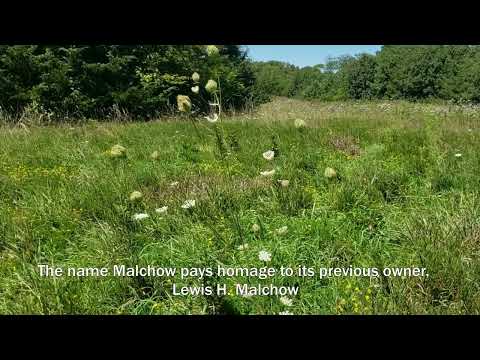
{"x": 143, "y": 81}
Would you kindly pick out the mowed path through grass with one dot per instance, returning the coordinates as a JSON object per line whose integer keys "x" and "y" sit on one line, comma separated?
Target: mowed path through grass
{"x": 406, "y": 194}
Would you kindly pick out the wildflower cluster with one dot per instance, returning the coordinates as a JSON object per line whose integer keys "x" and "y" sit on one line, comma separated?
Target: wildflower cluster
{"x": 354, "y": 300}
{"x": 184, "y": 103}
{"x": 22, "y": 172}
{"x": 137, "y": 196}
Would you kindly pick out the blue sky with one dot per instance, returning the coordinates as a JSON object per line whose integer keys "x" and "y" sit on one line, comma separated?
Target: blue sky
{"x": 306, "y": 55}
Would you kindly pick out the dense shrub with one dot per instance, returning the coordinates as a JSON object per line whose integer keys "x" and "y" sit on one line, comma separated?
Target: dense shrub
{"x": 142, "y": 80}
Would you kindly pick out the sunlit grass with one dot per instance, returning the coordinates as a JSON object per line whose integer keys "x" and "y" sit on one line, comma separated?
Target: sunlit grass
{"x": 399, "y": 197}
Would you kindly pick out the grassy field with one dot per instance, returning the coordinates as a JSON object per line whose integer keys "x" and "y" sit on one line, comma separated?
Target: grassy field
{"x": 407, "y": 193}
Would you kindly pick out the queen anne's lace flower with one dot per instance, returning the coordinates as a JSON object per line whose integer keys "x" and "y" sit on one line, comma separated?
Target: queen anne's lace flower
{"x": 135, "y": 195}
{"x": 117, "y": 151}
{"x": 282, "y": 230}
{"x": 184, "y": 103}
{"x": 188, "y": 204}
{"x": 264, "y": 255}
{"x": 299, "y": 123}
{"x": 330, "y": 173}
{"x": 161, "y": 210}
{"x": 212, "y": 50}
{"x": 211, "y": 86}
{"x": 268, "y": 173}
{"x": 213, "y": 118}
{"x": 268, "y": 155}
{"x": 138, "y": 217}
{"x": 243, "y": 247}
{"x": 286, "y": 301}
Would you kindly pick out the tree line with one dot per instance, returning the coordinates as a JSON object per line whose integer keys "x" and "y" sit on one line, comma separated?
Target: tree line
{"x": 143, "y": 81}
{"x": 440, "y": 72}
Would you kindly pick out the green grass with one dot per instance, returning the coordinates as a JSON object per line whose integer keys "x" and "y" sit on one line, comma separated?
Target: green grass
{"x": 401, "y": 198}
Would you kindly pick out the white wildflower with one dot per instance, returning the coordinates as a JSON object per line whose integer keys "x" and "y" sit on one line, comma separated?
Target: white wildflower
{"x": 284, "y": 183}
{"x": 212, "y": 50}
{"x": 458, "y": 155}
{"x": 286, "y": 301}
{"x": 255, "y": 228}
{"x": 268, "y": 155}
{"x": 330, "y": 173}
{"x": 247, "y": 295}
{"x": 136, "y": 195}
{"x": 155, "y": 155}
{"x": 138, "y": 217}
{"x": 173, "y": 184}
{"x": 184, "y": 103}
{"x": 286, "y": 312}
{"x": 161, "y": 210}
{"x": 196, "y": 77}
{"x": 212, "y": 119}
{"x": 188, "y": 204}
{"x": 268, "y": 173}
{"x": 299, "y": 123}
{"x": 264, "y": 256}
{"x": 211, "y": 86}
{"x": 243, "y": 247}
{"x": 282, "y": 230}
{"x": 117, "y": 151}
{"x": 195, "y": 89}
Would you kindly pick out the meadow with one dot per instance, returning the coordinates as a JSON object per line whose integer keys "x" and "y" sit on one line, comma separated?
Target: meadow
{"x": 404, "y": 192}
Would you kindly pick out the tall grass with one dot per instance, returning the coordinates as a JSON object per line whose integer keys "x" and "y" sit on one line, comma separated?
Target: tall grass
{"x": 401, "y": 198}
